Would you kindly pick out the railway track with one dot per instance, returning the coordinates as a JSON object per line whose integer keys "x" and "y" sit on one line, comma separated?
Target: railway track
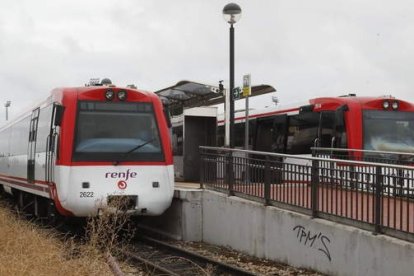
{"x": 163, "y": 258}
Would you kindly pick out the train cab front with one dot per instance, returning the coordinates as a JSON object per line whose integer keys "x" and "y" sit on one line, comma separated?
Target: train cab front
{"x": 120, "y": 157}
{"x": 389, "y": 126}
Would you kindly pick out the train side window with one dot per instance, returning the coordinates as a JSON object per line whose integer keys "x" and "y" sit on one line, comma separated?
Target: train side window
{"x": 5, "y": 142}
{"x": 18, "y": 136}
{"x": 252, "y": 130}
{"x": 302, "y": 131}
{"x": 220, "y": 136}
{"x": 239, "y": 135}
{"x": 43, "y": 128}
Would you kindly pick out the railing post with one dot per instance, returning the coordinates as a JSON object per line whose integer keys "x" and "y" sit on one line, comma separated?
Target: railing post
{"x": 202, "y": 168}
{"x": 230, "y": 173}
{"x": 377, "y": 204}
{"x": 400, "y": 182}
{"x": 353, "y": 177}
{"x": 314, "y": 187}
{"x": 247, "y": 172}
{"x": 267, "y": 181}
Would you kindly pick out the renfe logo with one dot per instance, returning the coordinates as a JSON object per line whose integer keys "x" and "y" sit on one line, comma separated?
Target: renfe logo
{"x": 122, "y": 184}
{"x": 125, "y": 175}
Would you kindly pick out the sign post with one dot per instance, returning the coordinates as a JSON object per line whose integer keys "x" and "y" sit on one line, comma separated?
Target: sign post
{"x": 227, "y": 117}
{"x": 246, "y": 93}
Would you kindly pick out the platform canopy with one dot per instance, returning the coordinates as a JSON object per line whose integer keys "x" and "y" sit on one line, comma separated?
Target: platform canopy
{"x": 186, "y": 94}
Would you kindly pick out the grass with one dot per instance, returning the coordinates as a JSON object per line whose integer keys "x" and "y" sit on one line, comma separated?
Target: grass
{"x": 27, "y": 249}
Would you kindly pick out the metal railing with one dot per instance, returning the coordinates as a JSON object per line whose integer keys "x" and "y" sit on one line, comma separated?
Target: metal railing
{"x": 374, "y": 196}
{"x": 388, "y": 157}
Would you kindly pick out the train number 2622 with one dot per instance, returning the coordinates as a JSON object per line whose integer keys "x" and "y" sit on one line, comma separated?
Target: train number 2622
{"x": 86, "y": 194}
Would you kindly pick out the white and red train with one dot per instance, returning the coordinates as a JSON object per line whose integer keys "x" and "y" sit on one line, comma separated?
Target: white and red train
{"x": 349, "y": 122}
{"x": 85, "y": 147}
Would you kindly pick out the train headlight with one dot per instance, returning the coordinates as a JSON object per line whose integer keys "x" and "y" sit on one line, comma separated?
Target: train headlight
{"x": 386, "y": 104}
{"x": 109, "y": 95}
{"x": 395, "y": 105}
{"x": 122, "y": 95}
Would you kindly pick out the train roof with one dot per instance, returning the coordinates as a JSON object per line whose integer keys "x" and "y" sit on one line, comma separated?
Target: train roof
{"x": 319, "y": 103}
{"x": 350, "y": 98}
{"x": 57, "y": 94}
{"x": 367, "y": 101}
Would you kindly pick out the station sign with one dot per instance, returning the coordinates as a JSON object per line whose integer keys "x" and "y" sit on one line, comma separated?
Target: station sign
{"x": 247, "y": 90}
{"x": 236, "y": 93}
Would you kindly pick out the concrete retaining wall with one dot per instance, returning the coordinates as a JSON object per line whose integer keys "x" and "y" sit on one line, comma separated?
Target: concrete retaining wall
{"x": 272, "y": 233}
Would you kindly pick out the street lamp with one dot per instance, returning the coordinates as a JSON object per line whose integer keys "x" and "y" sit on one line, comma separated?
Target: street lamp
{"x": 231, "y": 13}
{"x": 7, "y": 105}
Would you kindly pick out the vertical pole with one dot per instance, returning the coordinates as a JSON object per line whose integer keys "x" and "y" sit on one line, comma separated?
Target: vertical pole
{"x": 231, "y": 169}
{"x": 267, "y": 181}
{"x": 227, "y": 118}
{"x": 231, "y": 174}
{"x": 314, "y": 188}
{"x": 202, "y": 168}
{"x": 246, "y": 125}
{"x": 378, "y": 192}
{"x": 231, "y": 86}
{"x": 246, "y": 141}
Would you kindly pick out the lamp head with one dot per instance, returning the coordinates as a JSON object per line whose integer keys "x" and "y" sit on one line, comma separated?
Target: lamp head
{"x": 232, "y": 13}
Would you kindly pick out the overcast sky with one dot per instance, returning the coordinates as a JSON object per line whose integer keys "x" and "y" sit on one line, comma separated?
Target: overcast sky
{"x": 303, "y": 48}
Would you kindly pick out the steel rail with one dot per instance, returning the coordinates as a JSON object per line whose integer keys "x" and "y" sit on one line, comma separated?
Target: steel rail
{"x": 148, "y": 262}
{"x": 163, "y": 250}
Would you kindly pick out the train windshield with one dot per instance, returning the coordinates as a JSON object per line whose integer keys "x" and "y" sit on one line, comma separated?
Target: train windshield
{"x": 388, "y": 130}
{"x": 117, "y": 132}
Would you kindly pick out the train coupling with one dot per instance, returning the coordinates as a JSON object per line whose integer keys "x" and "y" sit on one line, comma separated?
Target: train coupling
{"x": 123, "y": 203}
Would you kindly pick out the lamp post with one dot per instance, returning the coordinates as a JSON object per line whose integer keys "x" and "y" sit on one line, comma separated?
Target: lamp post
{"x": 7, "y": 105}
{"x": 231, "y": 13}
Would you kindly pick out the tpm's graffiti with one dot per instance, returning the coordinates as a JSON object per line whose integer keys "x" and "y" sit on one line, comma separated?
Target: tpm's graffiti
{"x": 318, "y": 241}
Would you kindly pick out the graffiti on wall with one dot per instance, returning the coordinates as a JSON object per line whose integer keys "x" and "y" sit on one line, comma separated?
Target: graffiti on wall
{"x": 317, "y": 241}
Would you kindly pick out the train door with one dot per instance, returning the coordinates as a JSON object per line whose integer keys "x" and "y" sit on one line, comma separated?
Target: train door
{"x": 340, "y": 134}
{"x": 31, "y": 150}
{"x": 52, "y": 139}
{"x": 280, "y": 124}
{"x": 326, "y": 131}
{"x": 264, "y": 134}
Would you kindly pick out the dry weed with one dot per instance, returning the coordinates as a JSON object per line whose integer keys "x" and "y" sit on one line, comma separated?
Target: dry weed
{"x": 26, "y": 249}
{"x": 109, "y": 232}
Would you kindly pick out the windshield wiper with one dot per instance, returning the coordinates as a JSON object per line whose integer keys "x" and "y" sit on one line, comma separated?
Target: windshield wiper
{"x": 134, "y": 149}
{"x": 139, "y": 146}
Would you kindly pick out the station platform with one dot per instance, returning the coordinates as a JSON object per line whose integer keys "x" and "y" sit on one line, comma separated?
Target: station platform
{"x": 203, "y": 215}
{"x": 187, "y": 185}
